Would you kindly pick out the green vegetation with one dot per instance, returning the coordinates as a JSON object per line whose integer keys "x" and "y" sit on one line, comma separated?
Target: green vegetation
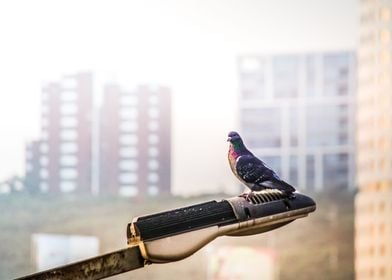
{"x": 317, "y": 247}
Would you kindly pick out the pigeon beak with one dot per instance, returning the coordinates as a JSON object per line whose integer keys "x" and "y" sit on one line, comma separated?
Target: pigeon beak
{"x": 229, "y": 139}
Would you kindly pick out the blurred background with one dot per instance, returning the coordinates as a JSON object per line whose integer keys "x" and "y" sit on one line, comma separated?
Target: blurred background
{"x": 110, "y": 110}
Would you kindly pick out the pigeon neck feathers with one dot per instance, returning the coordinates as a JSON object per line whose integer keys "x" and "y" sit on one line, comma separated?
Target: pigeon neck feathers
{"x": 238, "y": 149}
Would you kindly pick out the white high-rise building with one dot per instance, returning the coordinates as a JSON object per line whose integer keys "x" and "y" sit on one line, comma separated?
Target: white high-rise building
{"x": 297, "y": 114}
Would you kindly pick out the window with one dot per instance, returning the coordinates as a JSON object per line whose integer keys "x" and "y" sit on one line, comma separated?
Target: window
{"x": 44, "y": 121}
{"x": 153, "y": 112}
{"x": 69, "y": 96}
{"x": 44, "y": 148}
{"x": 44, "y": 135}
{"x": 381, "y": 229}
{"x": 153, "y": 125}
{"x": 385, "y": 57}
{"x": 68, "y": 135}
{"x": 127, "y": 178}
{"x": 336, "y": 78}
{"x": 128, "y": 113}
{"x": 43, "y": 186}
{"x": 68, "y": 160}
{"x": 69, "y": 83}
{"x": 68, "y": 147}
{"x": 29, "y": 167}
{"x": 45, "y": 110}
{"x": 68, "y": 122}
{"x": 68, "y": 173}
{"x": 44, "y": 174}
{"x": 250, "y": 64}
{"x": 128, "y": 139}
{"x": 385, "y": 14}
{"x": 311, "y": 78}
{"x": 384, "y": 78}
{"x": 256, "y": 122}
{"x": 153, "y": 151}
{"x": 153, "y": 99}
{"x": 253, "y": 86}
{"x": 153, "y": 177}
{"x": 382, "y": 206}
{"x": 128, "y": 99}
{"x": 293, "y": 170}
{"x": 128, "y": 126}
{"x": 252, "y": 78}
{"x": 285, "y": 75}
{"x": 293, "y": 120}
{"x": 366, "y": 38}
{"x": 371, "y": 272}
{"x": 385, "y": 36}
{"x": 335, "y": 170}
{"x": 153, "y": 164}
{"x": 68, "y": 108}
{"x": 327, "y": 125}
{"x": 18, "y": 186}
{"x": 44, "y": 96}
{"x": 153, "y": 190}
{"x": 382, "y": 272}
{"x": 153, "y": 139}
{"x": 130, "y": 165}
{"x": 128, "y": 152}
{"x": 29, "y": 154}
{"x": 5, "y": 188}
{"x": 67, "y": 186}
{"x": 128, "y": 191}
{"x": 44, "y": 160}
{"x": 310, "y": 172}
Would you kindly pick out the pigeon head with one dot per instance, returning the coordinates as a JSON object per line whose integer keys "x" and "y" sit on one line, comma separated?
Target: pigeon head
{"x": 234, "y": 138}
{"x": 236, "y": 143}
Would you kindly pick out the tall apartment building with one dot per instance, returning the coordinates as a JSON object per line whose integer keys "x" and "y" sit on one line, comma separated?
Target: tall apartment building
{"x": 297, "y": 114}
{"x": 373, "y": 204}
{"x": 65, "y": 147}
{"x": 135, "y": 141}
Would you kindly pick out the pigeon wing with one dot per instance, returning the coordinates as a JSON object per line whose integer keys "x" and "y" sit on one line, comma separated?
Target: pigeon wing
{"x": 252, "y": 170}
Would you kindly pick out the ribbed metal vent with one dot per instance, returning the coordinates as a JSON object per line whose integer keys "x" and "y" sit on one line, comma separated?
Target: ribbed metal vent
{"x": 185, "y": 219}
{"x": 265, "y": 196}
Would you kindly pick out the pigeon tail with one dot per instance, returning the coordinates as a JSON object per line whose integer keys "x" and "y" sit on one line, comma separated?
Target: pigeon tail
{"x": 278, "y": 184}
{"x": 283, "y": 186}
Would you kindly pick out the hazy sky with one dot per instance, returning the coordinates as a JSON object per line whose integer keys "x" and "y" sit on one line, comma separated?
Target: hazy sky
{"x": 190, "y": 46}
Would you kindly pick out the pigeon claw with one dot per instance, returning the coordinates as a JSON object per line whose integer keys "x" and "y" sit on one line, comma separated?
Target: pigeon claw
{"x": 290, "y": 195}
{"x": 247, "y": 196}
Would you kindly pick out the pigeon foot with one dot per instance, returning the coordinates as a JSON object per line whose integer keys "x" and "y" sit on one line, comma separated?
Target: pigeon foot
{"x": 247, "y": 196}
{"x": 290, "y": 195}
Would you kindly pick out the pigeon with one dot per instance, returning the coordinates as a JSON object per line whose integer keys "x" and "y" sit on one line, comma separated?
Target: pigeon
{"x": 251, "y": 171}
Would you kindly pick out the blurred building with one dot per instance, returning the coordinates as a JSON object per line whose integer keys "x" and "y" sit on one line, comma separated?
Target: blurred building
{"x": 373, "y": 204}
{"x": 297, "y": 114}
{"x": 51, "y": 250}
{"x": 125, "y": 149}
{"x": 33, "y": 167}
{"x": 241, "y": 263}
{"x": 65, "y": 147}
{"x": 135, "y": 141}
{"x": 11, "y": 185}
